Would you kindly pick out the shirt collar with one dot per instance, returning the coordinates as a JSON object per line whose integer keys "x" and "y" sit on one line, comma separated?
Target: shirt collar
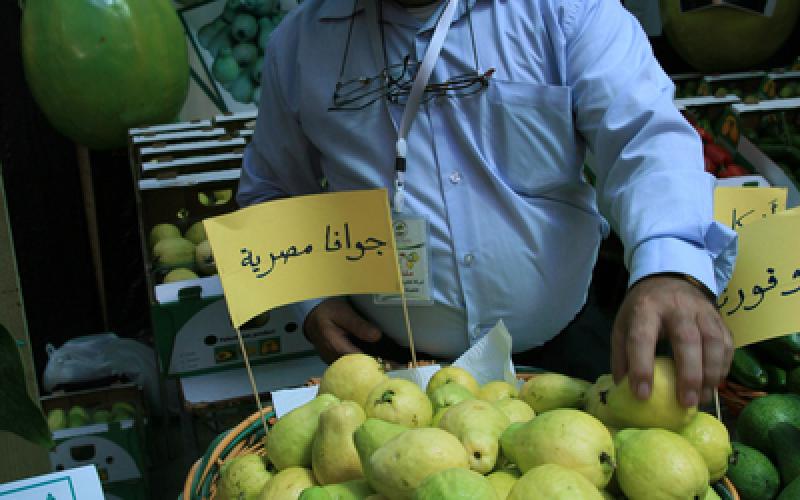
{"x": 332, "y": 10}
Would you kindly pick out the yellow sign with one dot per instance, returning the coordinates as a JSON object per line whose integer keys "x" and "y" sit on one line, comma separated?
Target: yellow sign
{"x": 737, "y": 206}
{"x": 295, "y": 249}
{"x": 763, "y": 297}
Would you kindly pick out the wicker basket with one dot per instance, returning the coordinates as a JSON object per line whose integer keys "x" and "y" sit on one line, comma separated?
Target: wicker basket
{"x": 247, "y": 437}
{"x": 736, "y": 396}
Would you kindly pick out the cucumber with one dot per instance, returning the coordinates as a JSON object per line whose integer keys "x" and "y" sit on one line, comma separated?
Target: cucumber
{"x": 776, "y": 378}
{"x": 747, "y": 370}
{"x": 776, "y": 351}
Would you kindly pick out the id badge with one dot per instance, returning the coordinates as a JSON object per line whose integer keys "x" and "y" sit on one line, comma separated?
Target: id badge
{"x": 413, "y": 254}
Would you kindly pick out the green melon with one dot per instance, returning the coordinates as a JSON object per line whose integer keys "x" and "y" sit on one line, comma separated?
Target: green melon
{"x": 722, "y": 39}
{"x": 98, "y": 68}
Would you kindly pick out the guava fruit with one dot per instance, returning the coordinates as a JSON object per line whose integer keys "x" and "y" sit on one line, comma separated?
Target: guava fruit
{"x": 356, "y": 489}
{"x": 552, "y": 390}
{"x": 180, "y": 274}
{"x": 241, "y": 88}
{"x": 352, "y": 377}
{"x": 101, "y": 417}
{"x": 497, "y": 390}
{"x": 553, "y": 482}
{"x": 162, "y": 232}
{"x": 373, "y": 434}
{"x": 710, "y": 438}
{"x": 242, "y": 478}
{"x": 398, "y": 467}
{"x": 455, "y": 484}
{"x": 437, "y": 416}
{"x": 596, "y": 403}
{"x": 515, "y": 409}
{"x": 171, "y": 253}
{"x": 567, "y": 437}
{"x": 287, "y": 484}
{"x": 656, "y": 464}
{"x": 290, "y": 440}
{"x": 245, "y": 53}
{"x": 122, "y": 411}
{"x": 453, "y": 375}
{"x": 78, "y": 417}
{"x": 204, "y": 258}
{"x": 661, "y": 410}
{"x": 57, "y": 419}
{"x": 222, "y": 196}
{"x": 449, "y": 395}
{"x": 400, "y": 401}
{"x": 478, "y": 425}
{"x": 196, "y": 233}
{"x": 334, "y": 458}
{"x": 502, "y": 481}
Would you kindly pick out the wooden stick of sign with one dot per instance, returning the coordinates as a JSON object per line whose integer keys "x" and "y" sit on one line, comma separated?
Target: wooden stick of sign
{"x": 252, "y": 377}
{"x": 408, "y": 326}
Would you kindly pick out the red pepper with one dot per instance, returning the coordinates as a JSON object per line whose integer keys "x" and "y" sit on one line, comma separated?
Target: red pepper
{"x": 732, "y": 170}
{"x": 716, "y": 153}
{"x": 711, "y": 167}
{"x": 705, "y": 135}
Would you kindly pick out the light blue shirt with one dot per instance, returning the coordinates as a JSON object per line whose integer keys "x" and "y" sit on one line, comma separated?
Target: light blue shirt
{"x": 515, "y": 228}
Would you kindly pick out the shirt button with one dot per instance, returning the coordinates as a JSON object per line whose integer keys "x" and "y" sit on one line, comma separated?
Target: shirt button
{"x": 455, "y": 177}
{"x": 469, "y": 259}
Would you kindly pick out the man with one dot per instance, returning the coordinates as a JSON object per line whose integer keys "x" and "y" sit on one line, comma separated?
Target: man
{"x": 496, "y": 170}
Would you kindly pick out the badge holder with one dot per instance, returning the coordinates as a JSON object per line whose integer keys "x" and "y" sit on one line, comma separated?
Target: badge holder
{"x": 411, "y": 232}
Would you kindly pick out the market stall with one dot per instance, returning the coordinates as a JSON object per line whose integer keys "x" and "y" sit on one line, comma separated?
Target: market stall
{"x": 217, "y": 392}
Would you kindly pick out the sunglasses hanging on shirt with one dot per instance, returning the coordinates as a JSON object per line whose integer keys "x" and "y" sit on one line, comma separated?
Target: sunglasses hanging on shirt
{"x": 394, "y": 82}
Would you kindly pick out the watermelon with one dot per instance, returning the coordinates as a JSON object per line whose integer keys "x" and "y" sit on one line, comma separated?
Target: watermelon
{"x": 98, "y": 68}
{"x": 720, "y": 39}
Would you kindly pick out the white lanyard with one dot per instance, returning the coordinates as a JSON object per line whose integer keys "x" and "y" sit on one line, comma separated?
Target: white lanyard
{"x": 415, "y": 97}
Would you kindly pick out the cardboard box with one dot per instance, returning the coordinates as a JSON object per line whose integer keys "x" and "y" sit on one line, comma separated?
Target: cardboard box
{"x": 237, "y": 122}
{"x": 182, "y": 201}
{"x": 194, "y": 334}
{"x": 126, "y": 490}
{"x": 117, "y": 449}
{"x": 171, "y": 166}
{"x": 167, "y": 152}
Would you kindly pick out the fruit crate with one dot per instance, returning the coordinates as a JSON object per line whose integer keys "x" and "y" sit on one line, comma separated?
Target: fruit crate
{"x": 782, "y": 85}
{"x": 237, "y": 123}
{"x": 163, "y": 160}
{"x": 747, "y": 86}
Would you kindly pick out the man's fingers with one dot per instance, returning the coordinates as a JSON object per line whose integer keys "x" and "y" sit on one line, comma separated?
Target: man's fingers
{"x": 619, "y": 353}
{"x": 333, "y": 343}
{"x": 687, "y": 347}
{"x": 350, "y": 321}
{"x": 640, "y": 346}
{"x": 713, "y": 355}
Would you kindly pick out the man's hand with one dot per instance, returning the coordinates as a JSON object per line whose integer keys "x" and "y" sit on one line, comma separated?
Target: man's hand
{"x": 329, "y": 326}
{"x": 668, "y": 306}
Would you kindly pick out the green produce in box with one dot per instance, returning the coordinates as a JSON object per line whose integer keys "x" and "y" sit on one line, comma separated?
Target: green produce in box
{"x": 752, "y": 473}
{"x": 763, "y": 414}
{"x": 229, "y": 14}
{"x": 781, "y": 351}
{"x": 221, "y": 40}
{"x": 244, "y": 27}
{"x": 101, "y": 417}
{"x": 791, "y": 492}
{"x": 225, "y": 68}
{"x": 245, "y": 54}
{"x": 207, "y": 33}
{"x": 777, "y": 378}
{"x": 785, "y": 441}
{"x": 242, "y": 88}
{"x": 78, "y": 417}
{"x": 57, "y": 420}
{"x": 793, "y": 381}
{"x": 747, "y": 370}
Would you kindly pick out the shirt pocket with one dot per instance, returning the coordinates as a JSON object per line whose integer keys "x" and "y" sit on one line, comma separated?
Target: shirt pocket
{"x": 531, "y": 137}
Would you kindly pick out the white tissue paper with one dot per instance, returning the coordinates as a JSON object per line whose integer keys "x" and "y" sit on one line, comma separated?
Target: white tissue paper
{"x": 489, "y": 359}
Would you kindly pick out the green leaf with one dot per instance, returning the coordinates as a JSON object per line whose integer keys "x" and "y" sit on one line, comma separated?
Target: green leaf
{"x": 18, "y": 414}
